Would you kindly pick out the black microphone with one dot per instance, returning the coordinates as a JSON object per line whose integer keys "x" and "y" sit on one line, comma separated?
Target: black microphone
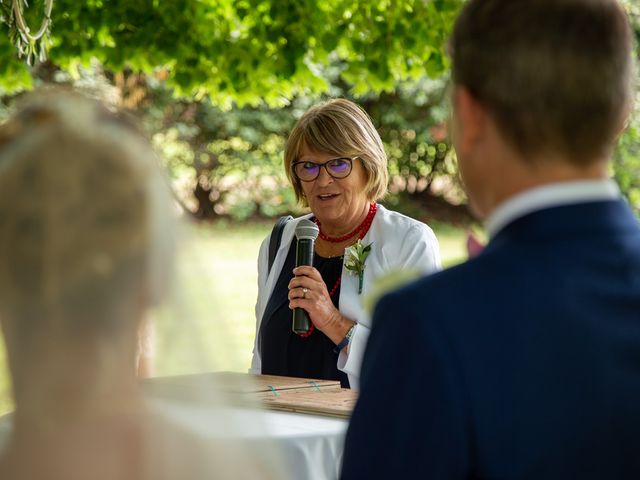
{"x": 306, "y": 233}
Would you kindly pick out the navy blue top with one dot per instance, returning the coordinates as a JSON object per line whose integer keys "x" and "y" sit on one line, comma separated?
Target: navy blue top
{"x": 282, "y": 351}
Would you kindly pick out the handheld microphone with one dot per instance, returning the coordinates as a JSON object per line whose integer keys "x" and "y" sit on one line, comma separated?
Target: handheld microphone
{"x": 306, "y": 233}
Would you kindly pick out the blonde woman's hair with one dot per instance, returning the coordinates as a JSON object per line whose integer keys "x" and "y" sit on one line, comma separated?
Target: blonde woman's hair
{"x": 339, "y": 127}
{"x": 84, "y": 217}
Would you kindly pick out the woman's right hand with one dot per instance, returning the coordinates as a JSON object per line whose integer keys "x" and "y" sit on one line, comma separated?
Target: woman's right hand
{"x": 307, "y": 290}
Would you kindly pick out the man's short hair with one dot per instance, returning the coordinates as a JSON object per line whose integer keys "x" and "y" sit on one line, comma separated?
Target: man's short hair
{"x": 556, "y": 75}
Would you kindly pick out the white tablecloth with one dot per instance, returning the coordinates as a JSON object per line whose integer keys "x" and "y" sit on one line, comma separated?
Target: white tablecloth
{"x": 311, "y": 445}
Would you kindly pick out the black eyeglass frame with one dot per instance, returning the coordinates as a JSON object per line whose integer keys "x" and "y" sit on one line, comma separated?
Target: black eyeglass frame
{"x": 350, "y": 160}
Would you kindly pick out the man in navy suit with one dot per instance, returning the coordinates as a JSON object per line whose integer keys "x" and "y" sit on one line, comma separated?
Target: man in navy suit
{"x": 524, "y": 362}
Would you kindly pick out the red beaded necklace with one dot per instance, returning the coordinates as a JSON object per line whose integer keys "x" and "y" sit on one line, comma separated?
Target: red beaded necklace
{"x": 362, "y": 229}
{"x": 364, "y": 226}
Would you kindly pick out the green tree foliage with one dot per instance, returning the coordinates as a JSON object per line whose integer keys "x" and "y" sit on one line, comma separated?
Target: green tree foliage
{"x": 230, "y": 163}
{"x": 223, "y": 163}
{"x": 247, "y": 51}
{"x": 627, "y": 155}
{"x": 627, "y": 162}
{"x": 219, "y": 84}
{"x": 271, "y": 59}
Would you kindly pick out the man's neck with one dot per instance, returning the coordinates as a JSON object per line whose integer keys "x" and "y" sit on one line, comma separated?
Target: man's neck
{"x": 520, "y": 175}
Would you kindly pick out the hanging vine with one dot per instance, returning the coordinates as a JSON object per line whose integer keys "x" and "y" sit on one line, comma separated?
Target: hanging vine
{"x": 29, "y": 45}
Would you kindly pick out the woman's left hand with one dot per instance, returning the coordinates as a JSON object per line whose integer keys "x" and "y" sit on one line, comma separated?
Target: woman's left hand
{"x": 307, "y": 290}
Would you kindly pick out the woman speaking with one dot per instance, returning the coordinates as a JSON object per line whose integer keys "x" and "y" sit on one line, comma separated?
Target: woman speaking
{"x": 337, "y": 166}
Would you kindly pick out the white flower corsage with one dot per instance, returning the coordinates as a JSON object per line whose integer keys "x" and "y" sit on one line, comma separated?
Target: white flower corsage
{"x": 356, "y": 255}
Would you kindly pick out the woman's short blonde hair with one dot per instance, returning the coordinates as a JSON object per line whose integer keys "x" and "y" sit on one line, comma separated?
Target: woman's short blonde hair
{"x": 339, "y": 127}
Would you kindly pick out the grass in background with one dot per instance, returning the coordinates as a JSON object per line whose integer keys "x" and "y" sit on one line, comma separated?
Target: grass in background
{"x": 210, "y": 324}
{"x": 452, "y": 240}
{"x": 216, "y": 294}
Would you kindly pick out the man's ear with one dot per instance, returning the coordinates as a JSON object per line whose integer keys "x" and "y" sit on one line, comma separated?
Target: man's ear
{"x": 625, "y": 118}
{"x": 471, "y": 118}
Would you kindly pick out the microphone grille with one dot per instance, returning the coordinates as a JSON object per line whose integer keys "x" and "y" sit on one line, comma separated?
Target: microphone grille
{"x": 306, "y": 229}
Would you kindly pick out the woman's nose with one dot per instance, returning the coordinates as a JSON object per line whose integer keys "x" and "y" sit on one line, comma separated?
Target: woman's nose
{"x": 324, "y": 178}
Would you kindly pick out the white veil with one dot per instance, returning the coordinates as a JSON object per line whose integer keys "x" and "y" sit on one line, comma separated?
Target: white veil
{"x": 88, "y": 240}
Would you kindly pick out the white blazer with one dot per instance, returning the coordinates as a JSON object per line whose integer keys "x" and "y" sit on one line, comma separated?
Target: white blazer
{"x": 397, "y": 242}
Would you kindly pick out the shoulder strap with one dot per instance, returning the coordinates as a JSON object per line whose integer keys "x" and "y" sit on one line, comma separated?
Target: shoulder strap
{"x": 276, "y": 238}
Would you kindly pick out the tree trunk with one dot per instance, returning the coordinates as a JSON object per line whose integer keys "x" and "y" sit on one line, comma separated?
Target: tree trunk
{"x": 206, "y": 207}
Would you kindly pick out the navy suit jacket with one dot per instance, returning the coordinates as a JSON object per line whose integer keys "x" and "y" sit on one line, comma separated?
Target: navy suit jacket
{"x": 523, "y": 363}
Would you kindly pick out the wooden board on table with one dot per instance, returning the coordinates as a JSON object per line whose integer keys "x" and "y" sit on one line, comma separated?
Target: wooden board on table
{"x": 330, "y": 401}
{"x": 229, "y": 382}
{"x": 268, "y": 383}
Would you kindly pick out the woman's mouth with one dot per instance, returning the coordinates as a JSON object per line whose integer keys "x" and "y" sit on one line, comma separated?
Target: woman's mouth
{"x": 327, "y": 196}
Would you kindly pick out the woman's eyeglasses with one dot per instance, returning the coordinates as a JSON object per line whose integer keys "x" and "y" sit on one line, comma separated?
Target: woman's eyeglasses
{"x": 336, "y": 167}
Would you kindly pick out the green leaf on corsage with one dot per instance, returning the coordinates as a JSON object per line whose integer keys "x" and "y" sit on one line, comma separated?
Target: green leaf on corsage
{"x": 355, "y": 256}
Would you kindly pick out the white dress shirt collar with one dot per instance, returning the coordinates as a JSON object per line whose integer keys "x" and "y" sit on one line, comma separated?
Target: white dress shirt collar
{"x": 551, "y": 195}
